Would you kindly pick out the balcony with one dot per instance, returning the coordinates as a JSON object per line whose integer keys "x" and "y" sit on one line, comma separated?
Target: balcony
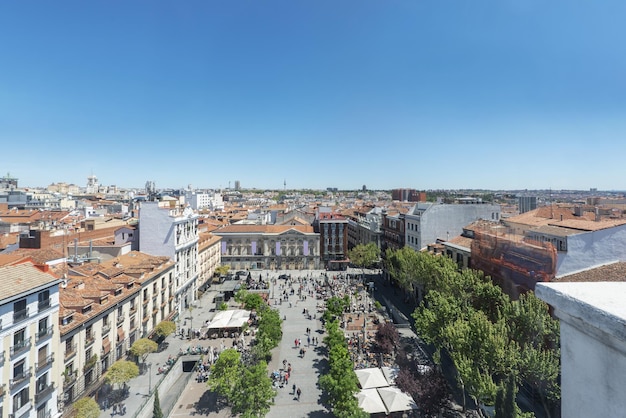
{"x": 89, "y": 340}
{"x": 133, "y": 309}
{"x": 44, "y": 392}
{"x": 70, "y": 378}
{"x": 19, "y": 316}
{"x": 23, "y": 412}
{"x": 43, "y": 333}
{"x": 2, "y": 357}
{"x": 19, "y": 379}
{"x": 145, "y": 301}
{"x": 106, "y": 328}
{"x": 120, "y": 319}
{"x": 39, "y": 366}
{"x": 43, "y": 305}
{"x": 3, "y": 389}
{"x": 70, "y": 351}
{"x": 21, "y": 347}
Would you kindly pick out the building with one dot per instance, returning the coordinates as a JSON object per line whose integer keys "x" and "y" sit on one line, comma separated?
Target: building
{"x": 365, "y": 226}
{"x": 209, "y": 258}
{"x": 393, "y": 230}
{"x": 408, "y": 195}
{"x": 105, "y": 308}
{"x": 168, "y": 229}
{"x": 427, "y": 222}
{"x": 333, "y": 230}
{"x": 293, "y": 247}
{"x": 526, "y": 203}
{"x": 29, "y": 360}
{"x": 593, "y": 346}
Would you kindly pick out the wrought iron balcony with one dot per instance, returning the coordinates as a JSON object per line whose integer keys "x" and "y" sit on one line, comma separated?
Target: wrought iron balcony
{"x": 20, "y": 347}
{"x": 19, "y": 378}
{"x": 70, "y": 377}
{"x": 89, "y": 340}
{"x": 19, "y": 316}
{"x": 3, "y": 389}
{"x": 44, "y": 392}
{"x": 2, "y": 357}
{"x": 70, "y": 350}
{"x": 44, "y": 363}
{"x": 133, "y": 309}
{"x": 43, "y": 305}
{"x": 44, "y": 333}
{"x": 106, "y": 328}
{"x": 120, "y": 319}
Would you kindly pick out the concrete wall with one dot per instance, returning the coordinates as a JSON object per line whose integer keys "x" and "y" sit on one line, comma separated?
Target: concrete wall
{"x": 593, "y": 346}
{"x": 592, "y": 249}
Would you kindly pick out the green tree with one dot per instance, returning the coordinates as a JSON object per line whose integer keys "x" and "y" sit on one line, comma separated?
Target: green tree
{"x": 225, "y": 373}
{"x": 86, "y": 408}
{"x": 142, "y": 347}
{"x": 156, "y": 409}
{"x": 164, "y": 328}
{"x": 364, "y": 255}
{"x": 335, "y": 307}
{"x": 253, "y": 393}
{"x": 222, "y": 270}
{"x": 121, "y": 372}
{"x": 505, "y": 399}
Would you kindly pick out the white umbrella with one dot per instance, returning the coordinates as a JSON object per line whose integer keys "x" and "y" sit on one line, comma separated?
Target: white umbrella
{"x": 390, "y": 374}
{"x": 395, "y": 400}
{"x": 371, "y": 378}
{"x": 369, "y": 400}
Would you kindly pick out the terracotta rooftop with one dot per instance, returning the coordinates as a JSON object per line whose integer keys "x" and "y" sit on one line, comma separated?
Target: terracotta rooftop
{"x": 21, "y": 278}
{"x": 615, "y": 272}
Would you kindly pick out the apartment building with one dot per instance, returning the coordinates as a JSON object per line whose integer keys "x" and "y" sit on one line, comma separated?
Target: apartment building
{"x": 167, "y": 228}
{"x": 209, "y": 258}
{"x": 427, "y": 221}
{"x": 333, "y": 229}
{"x": 364, "y": 226}
{"x": 29, "y": 308}
{"x": 104, "y": 309}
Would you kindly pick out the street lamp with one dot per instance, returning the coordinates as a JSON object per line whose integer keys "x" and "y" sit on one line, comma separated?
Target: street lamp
{"x": 149, "y": 378}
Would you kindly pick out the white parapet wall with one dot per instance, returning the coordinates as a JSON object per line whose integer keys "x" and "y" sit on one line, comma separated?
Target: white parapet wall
{"x": 593, "y": 346}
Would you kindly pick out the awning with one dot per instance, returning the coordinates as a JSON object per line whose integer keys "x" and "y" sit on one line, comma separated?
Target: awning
{"x": 106, "y": 345}
{"x": 120, "y": 335}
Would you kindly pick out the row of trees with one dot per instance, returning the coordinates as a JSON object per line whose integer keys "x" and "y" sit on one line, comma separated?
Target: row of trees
{"x": 488, "y": 337}
{"x": 246, "y": 386}
{"x": 340, "y": 383}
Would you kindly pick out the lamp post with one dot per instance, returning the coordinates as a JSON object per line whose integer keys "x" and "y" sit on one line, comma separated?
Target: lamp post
{"x": 149, "y": 378}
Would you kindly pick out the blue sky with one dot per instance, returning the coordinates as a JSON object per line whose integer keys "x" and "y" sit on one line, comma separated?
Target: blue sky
{"x": 500, "y": 94}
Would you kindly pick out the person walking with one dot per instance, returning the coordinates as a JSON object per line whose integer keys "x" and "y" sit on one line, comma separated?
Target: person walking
{"x": 293, "y": 388}
{"x": 299, "y": 392}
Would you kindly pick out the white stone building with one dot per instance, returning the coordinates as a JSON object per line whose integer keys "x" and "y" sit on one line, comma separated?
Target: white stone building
{"x": 593, "y": 346}
{"x": 167, "y": 229}
{"x": 30, "y": 366}
{"x": 427, "y": 221}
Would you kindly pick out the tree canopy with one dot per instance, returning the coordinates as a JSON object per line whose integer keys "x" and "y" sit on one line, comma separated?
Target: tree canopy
{"x": 225, "y": 372}
{"x": 86, "y": 408}
{"x": 142, "y": 347}
{"x": 253, "y": 392}
{"x": 364, "y": 255}
{"x": 165, "y": 328}
{"x": 121, "y": 372}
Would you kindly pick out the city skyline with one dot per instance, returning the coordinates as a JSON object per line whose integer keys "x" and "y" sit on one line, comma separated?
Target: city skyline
{"x": 428, "y": 95}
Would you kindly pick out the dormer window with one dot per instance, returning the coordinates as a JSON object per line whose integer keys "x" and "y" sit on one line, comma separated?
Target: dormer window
{"x": 118, "y": 291}
{"x": 67, "y": 319}
{"x": 104, "y": 300}
{"x": 86, "y": 309}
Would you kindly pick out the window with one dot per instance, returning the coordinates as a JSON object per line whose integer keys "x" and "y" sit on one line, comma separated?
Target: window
{"x": 19, "y": 337}
{"x": 18, "y": 369}
{"x": 20, "y": 399}
{"x": 42, "y": 383}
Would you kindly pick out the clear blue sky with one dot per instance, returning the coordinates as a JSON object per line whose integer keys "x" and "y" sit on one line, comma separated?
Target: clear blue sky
{"x": 427, "y": 94}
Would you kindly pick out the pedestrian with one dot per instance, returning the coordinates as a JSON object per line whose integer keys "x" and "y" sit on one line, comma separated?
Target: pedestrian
{"x": 299, "y": 392}
{"x": 295, "y": 342}
{"x": 284, "y": 363}
{"x": 293, "y": 388}
{"x": 114, "y": 408}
